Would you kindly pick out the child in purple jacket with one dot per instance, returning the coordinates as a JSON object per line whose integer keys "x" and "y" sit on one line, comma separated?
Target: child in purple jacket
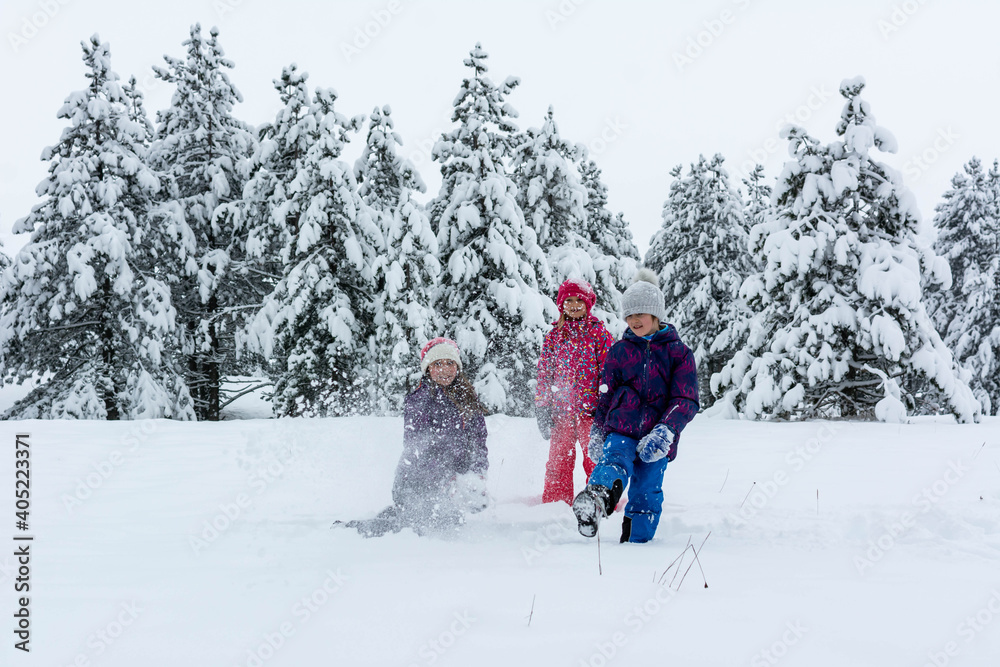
{"x": 649, "y": 392}
{"x": 442, "y": 471}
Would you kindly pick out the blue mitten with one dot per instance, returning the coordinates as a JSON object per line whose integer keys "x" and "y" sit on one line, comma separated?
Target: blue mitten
{"x": 654, "y": 446}
{"x": 595, "y": 448}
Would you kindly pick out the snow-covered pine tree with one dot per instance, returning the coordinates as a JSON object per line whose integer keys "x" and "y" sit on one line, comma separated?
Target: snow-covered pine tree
{"x": 83, "y": 307}
{"x": 612, "y": 238}
{"x": 840, "y": 328}
{"x": 504, "y": 135}
{"x": 610, "y": 232}
{"x": 549, "y": 190}
{"x": 963, "y": 213}
{"x": 205, "y": 150}
{"x": 269, "y": 214}
{"x": 282, "y": 145}
{"x": 553, "y": 199}
{"x": 408, "y": 269}
{"x": 758, "y": 197}
{"x": 758, "y": 203}
{"x": 555, "y": 203}
{"x": 321, "y": 312}
{"x": 968, "y": 314}
{"x": 700, "y": 254}
{"x": 493, "y": 267}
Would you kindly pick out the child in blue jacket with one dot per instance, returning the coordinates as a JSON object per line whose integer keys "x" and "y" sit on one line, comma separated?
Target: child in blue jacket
{"x": 649, "y": 392}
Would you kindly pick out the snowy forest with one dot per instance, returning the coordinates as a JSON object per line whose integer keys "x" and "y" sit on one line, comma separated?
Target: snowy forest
{"x": 175, "y": 264}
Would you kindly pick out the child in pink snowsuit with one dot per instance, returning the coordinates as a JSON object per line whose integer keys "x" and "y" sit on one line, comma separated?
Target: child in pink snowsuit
{"x": 569, "y": 372}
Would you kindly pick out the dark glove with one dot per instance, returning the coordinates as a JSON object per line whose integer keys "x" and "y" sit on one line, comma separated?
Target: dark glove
{"x": 543, "y": 415}
{"x": 595, "y": 447}
{"x": 654, "y": 446}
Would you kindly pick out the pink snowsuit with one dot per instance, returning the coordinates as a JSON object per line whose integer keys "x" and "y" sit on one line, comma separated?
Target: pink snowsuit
{"x": 569, "y": 372}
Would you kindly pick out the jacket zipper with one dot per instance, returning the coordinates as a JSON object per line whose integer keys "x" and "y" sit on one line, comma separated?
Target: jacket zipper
{"x": 645, "y": 366}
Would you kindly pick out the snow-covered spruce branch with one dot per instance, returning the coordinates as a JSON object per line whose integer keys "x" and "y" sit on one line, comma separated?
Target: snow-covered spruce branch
{"x": 259, "y": 272}
{"x": 89, "y": 323}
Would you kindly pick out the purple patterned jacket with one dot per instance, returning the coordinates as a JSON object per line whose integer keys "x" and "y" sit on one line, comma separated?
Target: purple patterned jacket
{"x": 437, "y": 444}
{"x": 645, "y": 383}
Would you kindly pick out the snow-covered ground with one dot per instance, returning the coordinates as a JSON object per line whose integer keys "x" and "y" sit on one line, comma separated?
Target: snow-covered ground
{"x": 161, "y": 543}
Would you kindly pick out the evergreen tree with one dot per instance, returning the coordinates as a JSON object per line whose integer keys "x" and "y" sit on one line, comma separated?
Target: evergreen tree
{"x": 554, "y": 199}
{"x": 83, "y": 306}
{"x": 281, "y": 148}
{"x": 758, "y": 203}
{"x": 406, "y": 271}
{"x": 321, "y": 311}
{"x": 549, "y": 191}
{"x": 610, "y": 232}
{"x": 968, "y": 313}
{"x": 267, "y": 209}
{"x": 454, "y": 149}
{"x": 492, "y": 264}
{"x": 840, "y": 328}
{"x": 701, "y": 256}
{"x": 578, "y": 239}
{"x": 758, "y": 197}
{"x": 615, "y": 252}
{"x": 205, "y": 152}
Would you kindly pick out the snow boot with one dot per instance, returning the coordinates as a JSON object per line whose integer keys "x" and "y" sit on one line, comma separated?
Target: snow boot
{"x": 626, "y": 530}
{"x": 590, "y": 506}
{"x": 389, "y": 520}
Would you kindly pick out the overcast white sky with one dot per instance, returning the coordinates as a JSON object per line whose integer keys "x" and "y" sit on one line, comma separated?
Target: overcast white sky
{"x": 647, "y": 85}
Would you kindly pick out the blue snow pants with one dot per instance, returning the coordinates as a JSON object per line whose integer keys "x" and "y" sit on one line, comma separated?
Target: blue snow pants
{"x": 643, "y": 480}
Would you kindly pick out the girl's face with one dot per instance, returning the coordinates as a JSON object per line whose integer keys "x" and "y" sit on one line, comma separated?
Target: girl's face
{"x": 574, "y": 308}
{"x": 443, "y": 371}
{"x": 642, "y": 324}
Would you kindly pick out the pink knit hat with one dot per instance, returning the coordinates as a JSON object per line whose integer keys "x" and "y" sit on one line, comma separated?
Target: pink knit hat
{"x": 439, "y": 348}
{"x": 578, "y": 288}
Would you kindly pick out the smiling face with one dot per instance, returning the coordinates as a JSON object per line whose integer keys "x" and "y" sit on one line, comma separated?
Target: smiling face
{"x": 642, "y": 324}
{"x": 574, "y": 307}
{"x": 443, "y": 371}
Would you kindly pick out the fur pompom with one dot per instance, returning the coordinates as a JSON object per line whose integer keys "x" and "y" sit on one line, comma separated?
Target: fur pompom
{"x": 647, "y": 276}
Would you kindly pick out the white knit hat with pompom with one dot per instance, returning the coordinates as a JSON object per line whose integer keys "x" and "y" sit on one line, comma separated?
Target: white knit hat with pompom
{"x": 644, "y": 296}
{"x": 439, "y": 348}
